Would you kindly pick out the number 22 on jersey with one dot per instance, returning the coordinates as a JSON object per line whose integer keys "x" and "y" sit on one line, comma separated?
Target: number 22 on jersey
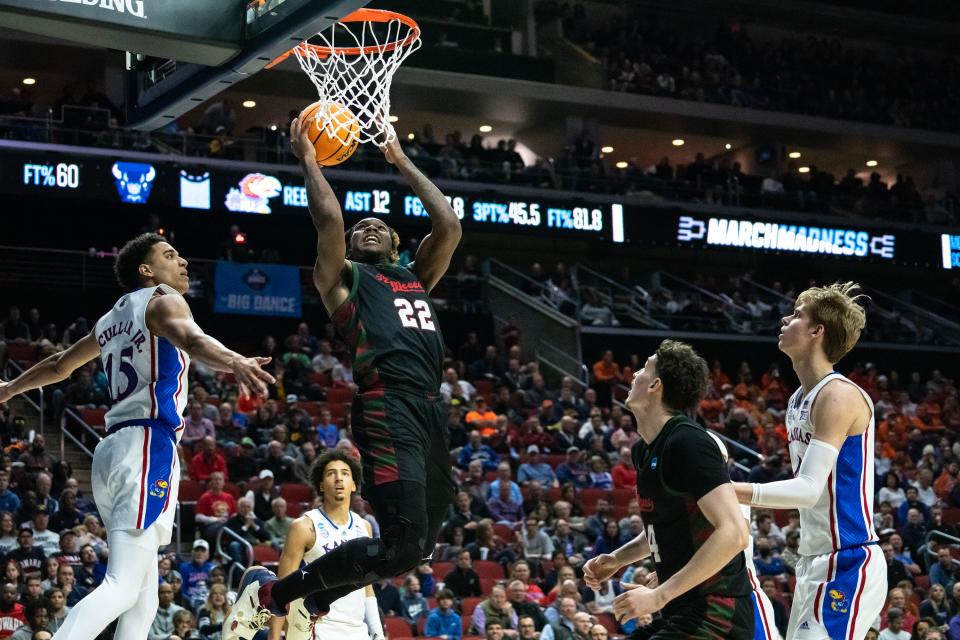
{"x": 416, "y": 315}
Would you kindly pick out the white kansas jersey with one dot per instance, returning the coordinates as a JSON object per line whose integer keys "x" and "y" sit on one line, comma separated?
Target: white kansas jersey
{"x": 348, "y": 610}
{"x": 146, "y": 374}
{"x": 843, "y": 516}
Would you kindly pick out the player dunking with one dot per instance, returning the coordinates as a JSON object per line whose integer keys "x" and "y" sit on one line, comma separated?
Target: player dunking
{"x": 695, "y": 530}
{"x": 355, "y": 616}
{"x": 145, "y": 343}
{"x": 841, "y": 575}
{"x": 384, "y": 313}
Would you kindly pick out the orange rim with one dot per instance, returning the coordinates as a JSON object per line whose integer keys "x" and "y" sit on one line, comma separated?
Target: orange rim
{"x": 361, "y": 15}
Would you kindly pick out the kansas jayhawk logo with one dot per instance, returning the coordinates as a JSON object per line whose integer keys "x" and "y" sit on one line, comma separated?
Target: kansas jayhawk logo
{"x": 159, "y": 488}
{"x": 838, "y": 601}
{"x": 253, "y": 194}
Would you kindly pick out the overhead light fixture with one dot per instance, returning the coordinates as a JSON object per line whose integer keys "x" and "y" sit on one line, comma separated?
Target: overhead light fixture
{"x": 273, "y": 127}
{"x": 485, "y": 128}
{"x": 607, "y": 149}
{"x": 728, "y": 146}
{"x": 804, "y": 169}
{"x": 394, "y": 118}
{"x": 29, "y": 81}
{"x": 411, "y": 135}
{"x": 872, "y": 163}
{"x": 622, "y": 165}
{"x": 249, "y": 104}
{"x": 678, "y": 142}
{"x": 794, "y": 155}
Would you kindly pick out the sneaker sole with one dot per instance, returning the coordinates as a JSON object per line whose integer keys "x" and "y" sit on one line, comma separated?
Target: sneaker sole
{"x": 232, "y": 630}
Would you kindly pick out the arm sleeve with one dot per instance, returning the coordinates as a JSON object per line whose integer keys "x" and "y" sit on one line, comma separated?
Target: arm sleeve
{"x": 692, "y": 463}
{"x": 805, "y": 489}
{"x": 372, "y": 617}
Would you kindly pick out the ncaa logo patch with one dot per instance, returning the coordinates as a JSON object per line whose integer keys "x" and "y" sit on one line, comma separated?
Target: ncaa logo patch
{"x": 159, "y": 488}
{"x": 653, "y": 463}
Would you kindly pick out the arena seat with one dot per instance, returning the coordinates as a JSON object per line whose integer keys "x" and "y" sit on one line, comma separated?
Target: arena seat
{"x": 467, "y": 605}
{"x": 466, "y": 621}
{"x": 21, "y": 352}
{"x": 922, "y": 582}
{"x": 338, "y": 410}
{"x": 421, "y": 623}
{"x": 609, "y": 623}
{"x": 441, "y": 569}
{"x": 190, "y": 491}
{"x": 295, "y": 509}
{"x": 623, "y": 496}
{"x": 487, "y": 584}
{"x": 312, "y": 409}
{"x": 951, "y": 515}
{"x": 484, "y": 387}
{"x": 505, "y": 531}
{"x": 232, "y": 489}
{"x": 296, "y": 492}
{"x": 339, "y": 395}
{"x": 590, "y": 495}
{"x": 396, "y": 627}
{"x": 321, "y": 378}
{"x": 488, "y": 569}
{"x": 93, "y": 416}
{"x": 265, "y": 556}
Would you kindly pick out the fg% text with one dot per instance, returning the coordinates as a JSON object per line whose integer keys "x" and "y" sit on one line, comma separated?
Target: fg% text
{"x": 59, "y": 176}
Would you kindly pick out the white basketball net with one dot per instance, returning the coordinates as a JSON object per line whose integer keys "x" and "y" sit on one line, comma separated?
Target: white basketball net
{"x": 360, "y": 79}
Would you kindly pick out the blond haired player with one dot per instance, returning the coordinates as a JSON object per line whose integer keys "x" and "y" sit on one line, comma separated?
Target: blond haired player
{"x": 355, "y": 616}
{"x": 841, "y": 575}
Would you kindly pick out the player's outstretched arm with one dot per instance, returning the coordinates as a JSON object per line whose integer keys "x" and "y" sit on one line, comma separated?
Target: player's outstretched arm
{"x": 729, "y": 537}
{"x": 605, "y": 566}
{"x": 838, "y": 410}
{"x": 170, "y": 317}
{"x": 53, "y": 368}
{"x": 436, "y": 249}
{"x": 327, "y": 218}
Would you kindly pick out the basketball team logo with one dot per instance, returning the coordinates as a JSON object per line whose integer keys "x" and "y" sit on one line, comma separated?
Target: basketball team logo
{"x": 134, "y": 181}
{"x": 253, "y": 194}
{"x": 159, "y": 488}
{"x": 838, "y": 601}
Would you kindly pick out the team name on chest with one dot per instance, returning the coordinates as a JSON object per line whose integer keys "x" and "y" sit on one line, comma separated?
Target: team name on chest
{"x": 413, "y": 286}
{"x": 796, "y": 434}
{"x": 122, "y": 329}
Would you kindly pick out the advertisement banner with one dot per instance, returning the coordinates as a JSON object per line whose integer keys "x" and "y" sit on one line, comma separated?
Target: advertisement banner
{"x": 257, "y": 289}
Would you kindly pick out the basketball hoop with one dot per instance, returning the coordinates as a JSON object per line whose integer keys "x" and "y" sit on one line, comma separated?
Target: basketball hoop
{"x": 354, "y": 67}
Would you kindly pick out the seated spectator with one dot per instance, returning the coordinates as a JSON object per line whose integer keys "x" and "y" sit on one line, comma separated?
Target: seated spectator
{"x": 66, "y": 580}
{"x": 563, "y": 628}
{"x": 535, "y": 469}
{"x": 481, "y": 418}
{"x": 912, "y": 502}
{"x": 279, "y": 524}
{"x": 896, "y": 572}
{"x": 936, "y": 605}
{"x": 443, "y": 622}
{"x": 462, "y": 580}
{"x": 767, "y": 560}
{"x": 8, "y": 533}
{"x": 944, "y": 571}
{"x": 30, "y": 558}
{"x": 624, "y": 473}
{"x": 570, "y": 542}
{"x": 505, "y": 475}
{"x": 780, "y": 614}
{"x": 566, "y": 436}
{"x": 242, "y": 463}
{"x": 184, "y": 625}
{"x": 914, "y": 532}
{"x": 764, "y": 526}
{"x": 207, "y": 461}
{"x": 12, "y": 615}
{"x": 249, "y": 527}
{"x": 388, "y": 597}
{"x": 328, "y": 433}
{"x": 91, "y": 571}
{"x": 263, "y": 495}
{"x": 476, "y": 450}
{"x": 572, "y": 470}
{"x": 37, "y": 613}
{"x": 493, "y": 631}
{"x": 67, "y": 516}
{"x": 68, "y": 553}
{"x": 897, "y": 603}
{"x": 488, "y": 545}
{"x": 44, "y": 485}
{"x": 58, "y": 609}
{"x": 196, "y": 572}
{"x": 601, "y": 601}
{"x": 196, "y": 426}
{"x": 496, "y": 609}
{"x": 92, "y": 533}
{"x": 214, "y": 611}
{"x": 215, "y": 506}
{"x": 532, "y": 591}
{"x": 535, "y": 544}
{"x": 599, "y": 475}
{"x": 610, "y": 540}
{"x": 894, "y": 628}
{"x": 279, "y": 461}
{"x": 9, "y": 501}
{"x": 413, "y": 605}
{"x": 502, "y": 506}
{"x": 231, "y": 424}
{"x": 49, "y": 541}
{"x": 625, "y": 436}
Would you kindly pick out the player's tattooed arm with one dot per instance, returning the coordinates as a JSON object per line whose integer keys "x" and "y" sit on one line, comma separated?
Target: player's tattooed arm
{"x": 169, "y": 317}
{"x": 436, "y": 249}
{"x": 327, "y": 218}
{"x": 53, "y": 368}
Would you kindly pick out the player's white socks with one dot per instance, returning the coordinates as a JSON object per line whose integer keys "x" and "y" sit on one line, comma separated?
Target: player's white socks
{"x": 128, "y": 592}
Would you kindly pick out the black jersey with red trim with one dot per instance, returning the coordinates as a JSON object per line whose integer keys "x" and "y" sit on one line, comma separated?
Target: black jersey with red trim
{"x": 391, "y": 328}
{"x": 674, "y": 472}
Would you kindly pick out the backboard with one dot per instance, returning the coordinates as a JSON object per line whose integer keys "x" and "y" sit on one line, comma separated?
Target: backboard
{"x": 179, "y": 54}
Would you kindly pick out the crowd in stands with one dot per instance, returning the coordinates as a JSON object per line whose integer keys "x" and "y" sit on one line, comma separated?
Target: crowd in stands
{"x": 545, "y": 483}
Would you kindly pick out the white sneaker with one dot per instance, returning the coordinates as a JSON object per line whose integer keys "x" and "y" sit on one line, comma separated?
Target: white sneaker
{"x": 249, "y": 614}
{"x": 299, "y": 622}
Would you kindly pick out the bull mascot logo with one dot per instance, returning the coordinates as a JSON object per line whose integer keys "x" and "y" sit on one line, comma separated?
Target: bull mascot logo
{"x": 134, "y": 181}
{"x": 253, "y": 194}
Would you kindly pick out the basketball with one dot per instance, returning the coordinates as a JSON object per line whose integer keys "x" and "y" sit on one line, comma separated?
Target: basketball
{"x": 336, "y": 141}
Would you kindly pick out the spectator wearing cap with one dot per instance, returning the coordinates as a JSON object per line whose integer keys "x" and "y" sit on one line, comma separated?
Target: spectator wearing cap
{"x": 31, "y": 558}
{"x": 536, "y": 470}
{"x": 243, "y": 463}
{"x": 278, "y": 525}
{"x": 12, "y": 615}
{"x": 196, "y": 572}
{"x": 572, "y": 470}
{"x": 894, "y": 629}
{"x": 196, "y": 426}
{"x": 47, "y": 540}
{"x": 476, "y": 450}
{"x": 207, "y": 461}
{"x": 263, "y": 495}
